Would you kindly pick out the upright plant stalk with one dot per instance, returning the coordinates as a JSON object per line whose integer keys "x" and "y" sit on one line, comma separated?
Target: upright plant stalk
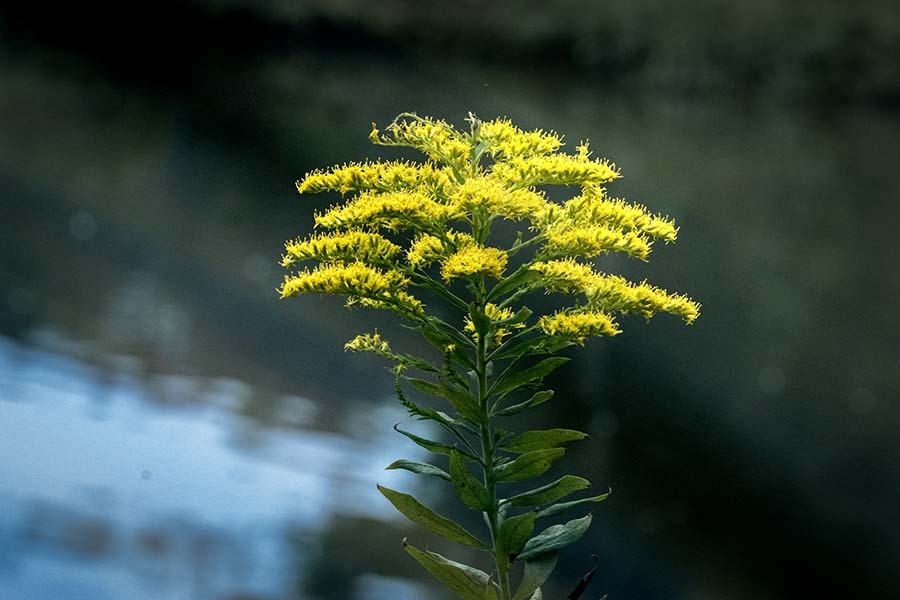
{"x": 445, "y": 209}
{"x": 487, "y": 446}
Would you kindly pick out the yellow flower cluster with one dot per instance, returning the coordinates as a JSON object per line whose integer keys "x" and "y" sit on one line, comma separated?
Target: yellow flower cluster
{"x": 566, "y": 275}
{"x": 385, "y": 288}
{"x": 427, "y": 248}
{"x": 593, "y": 207}
{"x": 379, "y": 176}
{"x": 555, "y": 169}
{"x": 576, "y": 326}
{"x": 351, "y": 246}
{"x": 490, "y": 195}
{"x": 505, "y": 140}
{"x": 566, "y": 239}
{"x": 444, "y": 208}
{"x": 391, "y": 210}
{"x": 474, "y": 260}
{"x": 370, "y": 342}
{"x": 612, "y": 293}
{"x": 497, "y": 315}
{"x": 440, "y": 141}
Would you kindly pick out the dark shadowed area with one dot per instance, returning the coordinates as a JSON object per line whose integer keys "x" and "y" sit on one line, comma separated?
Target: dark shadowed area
{"x": 169, "y": 429}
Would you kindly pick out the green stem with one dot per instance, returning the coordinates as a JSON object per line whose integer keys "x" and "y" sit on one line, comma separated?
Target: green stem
{"x": 487, "y": 449}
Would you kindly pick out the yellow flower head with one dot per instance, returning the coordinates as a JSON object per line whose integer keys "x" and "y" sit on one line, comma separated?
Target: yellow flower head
{"x": 378, "y": 176}
{"x": 474, "y": 260}
{"x": 390, "y": 210}
{"x": 491, "y": 196}
{"x": 440, "y": 141}
{"x": 370, "y": 342}
{"x": 592, "y": 207}
{"x": 576, "y": 326}
{"x": 614, "y": 293}
{"x": 555, "y": 169}
{"x": 352, "y": 246}
{"x": 566, "y": 275}
{"x": 427, "y": 248}
{"x": 590, "y": 240}
{"x": 496, "y": 315}
{"x": 385, "y": 288}
{"x": 505, "y": 140}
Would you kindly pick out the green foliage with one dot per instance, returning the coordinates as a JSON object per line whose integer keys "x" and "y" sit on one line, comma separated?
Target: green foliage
{"x": 419, "y": 513}
{"x": 410, "y": 232}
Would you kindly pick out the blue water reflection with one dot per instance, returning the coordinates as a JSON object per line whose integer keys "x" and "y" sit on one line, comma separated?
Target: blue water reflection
{"x": 109, "y": 489}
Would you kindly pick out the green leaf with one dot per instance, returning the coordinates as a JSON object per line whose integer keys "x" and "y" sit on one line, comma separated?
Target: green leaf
{"x": 423, "y": 385}
{"x": 459, "y": 397}
{"x": 417, "y": 512}
{"x": 551, "y": 492}
{"x": 519, "y": 345}
{"x": 556, "y": 509}
{"x": 528, "y": 465}
{"x": 520, "y": 317}
{"x": 430, "y": 445}
{"x": 469, "y": 489}
{"x": 508, "y": 284}
{"x": 539, "y": 439}
{"x": 462, "y": 401}
{"x": 538, "y": 398}
{"x": 420, "y": 468}
{"x": 528, "y": 376}
{"x": 556, "y": 537}
{"x": 514, "y": 533}
{"x": 537, "y": 570}
{"x": 466, "y": 582}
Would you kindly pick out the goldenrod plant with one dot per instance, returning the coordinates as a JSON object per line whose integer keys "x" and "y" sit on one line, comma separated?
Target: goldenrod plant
{"x": 455, "y": 245}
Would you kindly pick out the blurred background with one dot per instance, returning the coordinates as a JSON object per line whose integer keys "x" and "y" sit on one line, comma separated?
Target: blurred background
{"x": 169, "y": 429}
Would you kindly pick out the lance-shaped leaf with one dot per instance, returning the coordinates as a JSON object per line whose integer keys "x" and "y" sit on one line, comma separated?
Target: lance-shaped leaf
{"x": 466, "y": 582}
{"x": 418, "y": 467}
{"x": 470, "y": 490}
{"x": 531, "y": 375}
{"x": 536, "y": 399}
{"x": 537, "y": 570}
{"x": 461, "y": 399}
{"x": 562, "y": 487}
{"x": 520, "y": 317}
{"x": 538, "y": 439}
{"x": 417, "y": 512}
{"x": 514, "y": 533}
{"x": 556, "y": 509}
{"x": 430, "y": 445}
{"x": 521, "y": 277}
{"x": 528, "y": 465}
{"x": 423, "y": 385}
{"x": 556, "y": 537}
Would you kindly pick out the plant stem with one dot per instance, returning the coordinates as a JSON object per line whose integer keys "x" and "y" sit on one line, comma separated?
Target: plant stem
{"x": 487, "y": 449}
